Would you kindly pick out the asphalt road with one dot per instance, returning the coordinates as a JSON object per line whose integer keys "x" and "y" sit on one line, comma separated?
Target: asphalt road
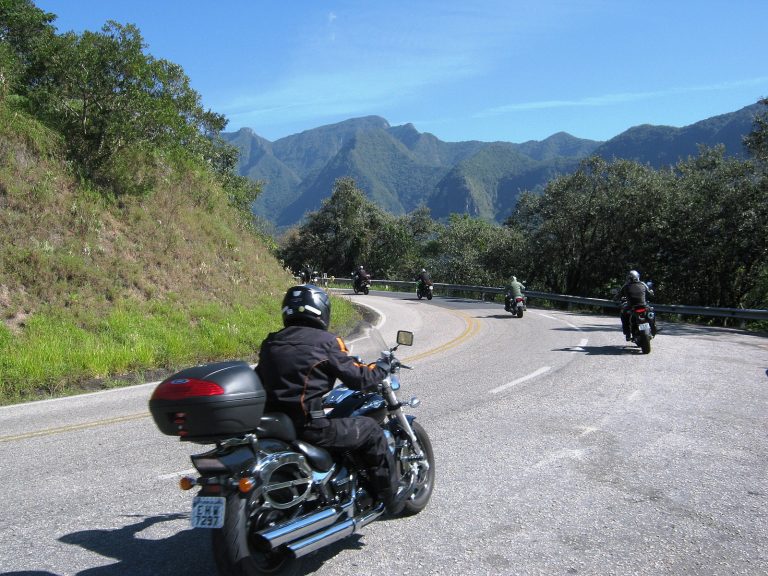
{"x": 559, "y": 449}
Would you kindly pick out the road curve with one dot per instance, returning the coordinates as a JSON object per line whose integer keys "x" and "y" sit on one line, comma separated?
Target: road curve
{"x": 560, "y": 450}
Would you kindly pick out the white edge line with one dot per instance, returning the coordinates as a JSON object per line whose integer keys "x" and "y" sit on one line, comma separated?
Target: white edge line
{"x": 503, "y": 387}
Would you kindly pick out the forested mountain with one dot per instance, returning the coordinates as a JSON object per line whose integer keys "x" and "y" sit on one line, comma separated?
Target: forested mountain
{"x": 401, "y": 168}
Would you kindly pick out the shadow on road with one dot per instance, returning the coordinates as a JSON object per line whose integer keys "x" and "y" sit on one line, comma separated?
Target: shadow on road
{"x": 610, "y": 350}
{"x": 188, "y": 552}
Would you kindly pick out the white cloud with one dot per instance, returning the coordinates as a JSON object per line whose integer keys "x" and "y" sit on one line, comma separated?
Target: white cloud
{"x": 618, "y": 98}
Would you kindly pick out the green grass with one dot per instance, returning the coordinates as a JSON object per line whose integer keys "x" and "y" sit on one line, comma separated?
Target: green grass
{"x": 58, "y": 354}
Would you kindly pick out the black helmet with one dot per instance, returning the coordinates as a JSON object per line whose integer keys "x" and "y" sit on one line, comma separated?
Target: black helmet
{"x": 306, "y": 305}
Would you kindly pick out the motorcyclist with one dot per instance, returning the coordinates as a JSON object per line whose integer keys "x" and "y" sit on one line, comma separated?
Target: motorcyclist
{"x": 514, "y": 289}
{"x": 299, "y": 364}
{"x": 359, "y": 275}
{"x": 306, "y": 274}
{"x": 635, "y": 293}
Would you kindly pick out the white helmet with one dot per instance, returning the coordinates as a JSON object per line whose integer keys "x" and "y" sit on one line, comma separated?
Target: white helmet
{"x": 633, "y": 276}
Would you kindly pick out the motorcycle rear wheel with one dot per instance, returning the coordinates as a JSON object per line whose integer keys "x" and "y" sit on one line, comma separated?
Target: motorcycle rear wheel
{"x": 519, "y": 312}
{"x": 232, "y": 542}
{"x": 425, "y": 482}
{"x": 644, "y": 341}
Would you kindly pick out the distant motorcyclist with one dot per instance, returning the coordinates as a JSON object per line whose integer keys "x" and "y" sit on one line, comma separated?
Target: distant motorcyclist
{"x": 305, "y": 274}
{"x": 359, "y": 276}
{"x": 634, "y": 292}
{"x": 514, "y": 289}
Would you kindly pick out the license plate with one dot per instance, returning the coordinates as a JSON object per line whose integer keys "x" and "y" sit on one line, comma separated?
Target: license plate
{"x": 208, "y": 511}
{"x": 645, "y": 327}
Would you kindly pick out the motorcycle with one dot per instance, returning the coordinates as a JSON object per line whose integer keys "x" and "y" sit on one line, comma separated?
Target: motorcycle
{"x": 515, "y": 304}
{"x": 267, "y": 497}
{"x": 642, "y": 324}
{"x": 361, "y": 284}
{"x": 424, "y": 289}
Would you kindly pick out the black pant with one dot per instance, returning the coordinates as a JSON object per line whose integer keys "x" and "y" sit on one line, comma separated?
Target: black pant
{"x": 366, "y": 439}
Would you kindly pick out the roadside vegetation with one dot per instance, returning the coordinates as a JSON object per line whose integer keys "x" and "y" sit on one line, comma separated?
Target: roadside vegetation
{"x": 127, "y": 246}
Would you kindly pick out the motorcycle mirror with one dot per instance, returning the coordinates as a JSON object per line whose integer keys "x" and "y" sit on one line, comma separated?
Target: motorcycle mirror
{"x": 405, "y": 338}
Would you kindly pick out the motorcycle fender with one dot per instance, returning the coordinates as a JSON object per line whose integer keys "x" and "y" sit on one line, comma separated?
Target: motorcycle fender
{"x": 215, "y": 461}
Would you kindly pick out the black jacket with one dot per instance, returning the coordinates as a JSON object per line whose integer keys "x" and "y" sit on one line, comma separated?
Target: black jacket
{"x": 299, "y": 364}
{"x": 635, "y": 292}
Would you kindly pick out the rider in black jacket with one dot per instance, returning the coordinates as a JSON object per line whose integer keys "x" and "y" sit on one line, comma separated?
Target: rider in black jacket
{"x": 635, "y": 292}
{"x": 299, "y": 364}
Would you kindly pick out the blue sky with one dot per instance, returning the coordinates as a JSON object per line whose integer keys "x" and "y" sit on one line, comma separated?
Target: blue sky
{"x": 484, "y": 70}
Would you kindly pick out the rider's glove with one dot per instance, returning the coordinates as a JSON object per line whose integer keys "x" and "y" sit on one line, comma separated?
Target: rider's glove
{"x": 384, "y": 364}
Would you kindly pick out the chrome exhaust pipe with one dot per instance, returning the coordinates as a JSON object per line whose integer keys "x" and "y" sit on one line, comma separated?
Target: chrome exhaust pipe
{"x": 333, "y": 534}
{"x": 295, "y": 529}
{"x": 316, "y": 541}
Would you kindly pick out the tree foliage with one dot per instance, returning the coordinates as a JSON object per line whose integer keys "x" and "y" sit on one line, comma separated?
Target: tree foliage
{"x": 115, "y": 105}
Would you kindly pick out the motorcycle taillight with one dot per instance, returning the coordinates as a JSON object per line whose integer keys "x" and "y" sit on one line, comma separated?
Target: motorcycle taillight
{"x": 181, "y": 388}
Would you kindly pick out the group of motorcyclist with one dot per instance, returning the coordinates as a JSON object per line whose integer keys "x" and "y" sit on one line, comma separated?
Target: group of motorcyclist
{"x": 633, "y": 292}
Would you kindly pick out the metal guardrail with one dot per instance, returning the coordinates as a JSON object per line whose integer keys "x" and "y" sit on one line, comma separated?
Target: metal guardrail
{"x": 681, "y": 310}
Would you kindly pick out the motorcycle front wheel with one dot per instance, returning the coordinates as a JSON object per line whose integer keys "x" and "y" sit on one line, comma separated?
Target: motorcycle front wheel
{"x": 425, "y": 478}
{"x": 232, "y": 549}
{"x": 365, "y": 290}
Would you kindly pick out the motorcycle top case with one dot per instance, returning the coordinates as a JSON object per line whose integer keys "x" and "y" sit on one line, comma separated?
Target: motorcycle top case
{"x": 210, "y": 401}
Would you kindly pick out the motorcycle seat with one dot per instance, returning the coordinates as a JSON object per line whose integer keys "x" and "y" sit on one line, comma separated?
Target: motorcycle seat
{"x": 319, "y": 458}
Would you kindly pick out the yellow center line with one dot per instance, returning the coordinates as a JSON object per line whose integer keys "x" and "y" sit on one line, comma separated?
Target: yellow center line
{"x": 72, "y": 427}
{"x": 472, "y": 327}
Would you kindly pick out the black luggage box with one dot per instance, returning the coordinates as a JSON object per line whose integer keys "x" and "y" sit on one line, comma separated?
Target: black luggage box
{"x": 209, "y": 402}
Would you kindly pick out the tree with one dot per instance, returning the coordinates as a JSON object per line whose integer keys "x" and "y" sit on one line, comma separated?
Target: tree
{"x": 716, "y": 246}
{"x": 591, "y": 226}
{"x": 338, "y": 237}
{"x": 26, "y": 38}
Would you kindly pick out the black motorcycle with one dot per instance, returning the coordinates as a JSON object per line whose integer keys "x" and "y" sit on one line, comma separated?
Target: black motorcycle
{"x": 361, "y": 284}
{"x": 642, "y": 324}
{"x": 268, "y": 497}
{"x": 515, "y": 304}
{"x": 424, "y": 289}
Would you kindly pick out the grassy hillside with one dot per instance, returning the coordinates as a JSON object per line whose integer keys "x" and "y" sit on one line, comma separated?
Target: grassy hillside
{"x": 98, "y": 290}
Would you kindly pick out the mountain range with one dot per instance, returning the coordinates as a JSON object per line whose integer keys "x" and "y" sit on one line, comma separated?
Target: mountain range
{"x": 400, "y": 168}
